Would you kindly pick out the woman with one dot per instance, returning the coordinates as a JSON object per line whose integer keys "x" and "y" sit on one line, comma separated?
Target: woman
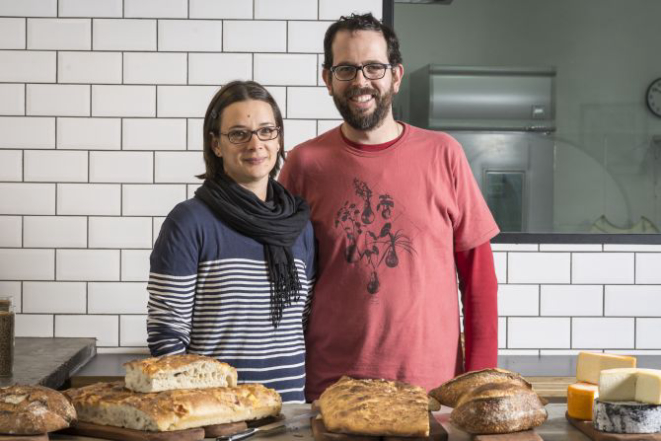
{"x": 232, "y": 269}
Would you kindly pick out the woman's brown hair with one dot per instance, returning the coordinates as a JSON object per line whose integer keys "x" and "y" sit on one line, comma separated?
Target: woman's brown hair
{"x": 229, "y": 94}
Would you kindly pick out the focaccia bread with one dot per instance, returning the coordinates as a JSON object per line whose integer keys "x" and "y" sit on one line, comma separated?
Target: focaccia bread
{"x": 112, "y": 404}
{"x": 498, "y": 408}
{"x": 375, "y": 407}
{"x": 30, "y": 410}
{"x": 183, "y": 371}
{"x": 448, "y": 393}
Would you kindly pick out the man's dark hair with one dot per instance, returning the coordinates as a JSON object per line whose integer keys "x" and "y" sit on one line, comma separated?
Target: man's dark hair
{"x": 364, "y": 22}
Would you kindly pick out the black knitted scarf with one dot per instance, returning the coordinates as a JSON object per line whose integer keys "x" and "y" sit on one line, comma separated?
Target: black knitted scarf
{"x": 276, "y": 225}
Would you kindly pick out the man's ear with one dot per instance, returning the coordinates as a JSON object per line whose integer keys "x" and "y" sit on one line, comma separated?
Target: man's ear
{"x": 328, "y": 80}
{"x": 397, "y": 75}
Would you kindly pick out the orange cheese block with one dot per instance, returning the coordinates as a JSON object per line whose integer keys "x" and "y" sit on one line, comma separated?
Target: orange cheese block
{"x": 580, "y": 400}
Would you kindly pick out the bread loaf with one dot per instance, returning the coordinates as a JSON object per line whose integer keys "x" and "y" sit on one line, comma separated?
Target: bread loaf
{"x": 498, "y": 408}
{"x": 185, "y": 371}
{"x": 30, "y": 410}
{"x": 375, "y": 407}
{"x": 113, "y": 405}
{"x": 448, "y": 393}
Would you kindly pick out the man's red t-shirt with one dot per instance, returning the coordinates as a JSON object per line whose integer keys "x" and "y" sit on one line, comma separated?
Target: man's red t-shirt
{"x": 389, "y": 224}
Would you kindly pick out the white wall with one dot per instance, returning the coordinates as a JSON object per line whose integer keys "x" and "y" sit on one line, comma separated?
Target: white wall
{"x": 101, "y": 109}
{"x": 559, "y": 299}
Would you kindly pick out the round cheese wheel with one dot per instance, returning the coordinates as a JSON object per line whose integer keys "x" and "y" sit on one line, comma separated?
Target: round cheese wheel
{"x": 626, "y": 417}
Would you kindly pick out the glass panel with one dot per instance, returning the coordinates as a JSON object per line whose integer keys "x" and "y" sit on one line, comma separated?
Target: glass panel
{"x": 504, "y": 195}
{"x": 558, "y": 133}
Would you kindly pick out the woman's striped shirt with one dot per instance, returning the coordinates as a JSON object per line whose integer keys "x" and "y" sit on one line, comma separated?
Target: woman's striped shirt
{"x": 209, "y": 294}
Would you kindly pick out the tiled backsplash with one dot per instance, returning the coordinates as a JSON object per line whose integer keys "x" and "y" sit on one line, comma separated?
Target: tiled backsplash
{"x": 101, "y": 107}
{"x": 558, "y": 299}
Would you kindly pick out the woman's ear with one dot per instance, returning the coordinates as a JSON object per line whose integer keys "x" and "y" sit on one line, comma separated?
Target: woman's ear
{"x": 215, "y": 145}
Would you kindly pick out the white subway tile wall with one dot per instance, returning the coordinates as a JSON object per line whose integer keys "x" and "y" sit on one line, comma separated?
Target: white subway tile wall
{"x": 27, "y": 133}
{"x": 154, "y": 68}
{"x": 221, "y": 9}
{"x": 55, "y": 297}
{"x": 89, "y": 67}
{"x": 11, "y": 165}
{"x": 62, "y": 34}
{"x": 219, "y": 68}
{"x": 54, "y": 232}
{"x": 154, "y": 134}
{"x": 12, "y": 98}
{"x": 11, "y": 232}
{"x": 90, "y": 8}
{"x": 12, "y": 33}
{"x": 27, "y": 66}
{"x": 101, "y": 112}
{"x": 89, "y": 133}
{"x": 190, "y": 35}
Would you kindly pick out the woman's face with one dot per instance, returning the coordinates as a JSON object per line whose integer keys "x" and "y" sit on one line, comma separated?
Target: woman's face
{"x": 248, "y": 163}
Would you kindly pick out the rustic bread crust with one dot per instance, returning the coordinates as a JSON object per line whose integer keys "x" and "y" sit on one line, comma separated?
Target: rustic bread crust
{"x": 448, "y": 393}
{"x": 182, "y": 371}
{"x": 114, "y": 405}
{"x": 375, "y": 407}
{"x": 499, "y": 408}
{"x": 30, "y": 410}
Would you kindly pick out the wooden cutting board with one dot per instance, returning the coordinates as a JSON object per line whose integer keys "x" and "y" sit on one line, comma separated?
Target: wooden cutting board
{"x": 526, "y": 435}
{"x": 123, "y": 434}
{"x": 40, "y": 437}
{"x": 436, "y": 433}
{"x": 596, "y": 435}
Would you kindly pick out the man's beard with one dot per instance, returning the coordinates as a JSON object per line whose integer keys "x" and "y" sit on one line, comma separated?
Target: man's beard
{"x": 360, "y": 120}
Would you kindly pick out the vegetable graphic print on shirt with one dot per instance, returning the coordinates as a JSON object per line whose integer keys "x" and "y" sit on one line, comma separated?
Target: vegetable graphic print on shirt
{"x": 371, "y": 234}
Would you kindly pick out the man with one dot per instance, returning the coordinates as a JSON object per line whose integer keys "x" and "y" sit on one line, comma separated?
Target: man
{"x": 396, "y": 213}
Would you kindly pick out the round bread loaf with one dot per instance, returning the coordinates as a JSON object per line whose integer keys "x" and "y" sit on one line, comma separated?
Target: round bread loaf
{"x": 30, "y": 410}
{"x": 498, "y": 408}
{"x": 448, "y": 393}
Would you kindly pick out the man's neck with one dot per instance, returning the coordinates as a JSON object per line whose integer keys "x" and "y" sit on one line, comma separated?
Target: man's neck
{"x": 389, "y": 130}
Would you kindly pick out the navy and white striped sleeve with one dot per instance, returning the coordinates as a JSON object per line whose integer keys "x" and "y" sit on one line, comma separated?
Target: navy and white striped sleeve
{"x": 310, "y": 270}
{"x": 171, "y": 287}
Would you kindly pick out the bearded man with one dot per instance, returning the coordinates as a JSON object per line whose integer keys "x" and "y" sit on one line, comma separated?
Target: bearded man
{"x": 397, "y": 215}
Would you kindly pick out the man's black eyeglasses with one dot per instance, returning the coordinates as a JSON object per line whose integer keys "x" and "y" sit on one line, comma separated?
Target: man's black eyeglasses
{"x": 372, "y": 71}
{"x": 240, "y": 136}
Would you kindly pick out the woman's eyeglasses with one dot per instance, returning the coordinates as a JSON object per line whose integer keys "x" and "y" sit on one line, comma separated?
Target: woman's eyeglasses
{"x": 241, "y": 136}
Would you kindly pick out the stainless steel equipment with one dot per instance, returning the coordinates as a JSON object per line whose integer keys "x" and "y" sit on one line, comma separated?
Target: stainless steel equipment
{"x": 503, "y": 117}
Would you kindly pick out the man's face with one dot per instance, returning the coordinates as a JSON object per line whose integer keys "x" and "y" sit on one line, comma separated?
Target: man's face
{"x": 363, "y": 103}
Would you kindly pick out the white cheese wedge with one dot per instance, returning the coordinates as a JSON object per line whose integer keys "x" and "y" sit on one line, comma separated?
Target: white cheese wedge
{"x": 590, "y": 364}
{"x": 630, "y": 384}
{"x": 648, "y": 386}
{"x": 626, "y": 417}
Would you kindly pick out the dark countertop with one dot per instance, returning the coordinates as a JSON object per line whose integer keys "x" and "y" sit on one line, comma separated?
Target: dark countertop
{"x": 558, "y": 365}
{"x": 49, "y": 361}
{"x": 527, "y": 365}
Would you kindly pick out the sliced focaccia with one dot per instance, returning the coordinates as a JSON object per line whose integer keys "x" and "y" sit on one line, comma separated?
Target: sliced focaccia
{"x": 112, "y": 404}
{"x": 185, "y": 371}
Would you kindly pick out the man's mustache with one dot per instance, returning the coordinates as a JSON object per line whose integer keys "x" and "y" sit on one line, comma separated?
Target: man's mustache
{"x": 356, "y": 91}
